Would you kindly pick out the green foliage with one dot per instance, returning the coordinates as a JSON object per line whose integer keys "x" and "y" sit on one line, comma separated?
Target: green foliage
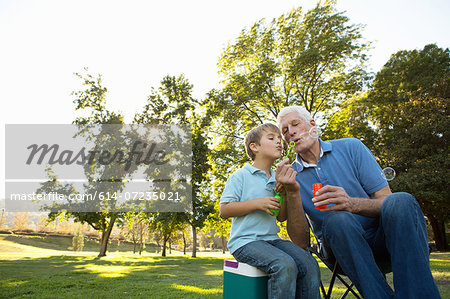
{"x": 351, "y": 121}
{"x": 166, "y": 224}
{"x": 314, "y": 59}
{"x": 134, "y": 227}
{"x": 91, "y": 100}
{"x": 410, "y": 109}
{"x": 173, "y": 103}
{"x": 78, "y": 241}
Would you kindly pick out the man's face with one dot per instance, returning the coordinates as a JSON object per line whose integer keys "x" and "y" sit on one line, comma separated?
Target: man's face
{"x": 294, "y": 128}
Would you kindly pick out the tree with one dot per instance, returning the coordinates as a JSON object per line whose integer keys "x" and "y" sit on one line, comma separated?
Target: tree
{"x": 352, "y": 120}
{"x": 78, "y": 240}
{"x": 221, "y": 227}
{"x": 135, "y": 229}
{"x": 314, "y": 59}
{"x": 173, "y": 103}
{"x": 166, "y": 223}
{"x": 228, "y": 155}
{"x": 183, "y": 236}
{"x": 407, "y": 109}
{"x": 92, "y": 100}
{"x": 21, "y": 220}
{"x": 2, "y": 218}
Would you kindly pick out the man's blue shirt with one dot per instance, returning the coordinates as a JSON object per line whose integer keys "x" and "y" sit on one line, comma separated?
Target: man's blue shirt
{"x": 244, "y": 184}
{"x": 345, "y": 163}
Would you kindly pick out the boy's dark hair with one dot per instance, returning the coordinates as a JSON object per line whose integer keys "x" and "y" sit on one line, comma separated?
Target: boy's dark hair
{"x": 254, "y": 136}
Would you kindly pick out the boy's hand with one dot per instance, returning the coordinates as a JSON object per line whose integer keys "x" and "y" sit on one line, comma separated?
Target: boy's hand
{"x": 286, "y": 175}
{"x": 279, "y": 187}
{"x": 267, "y": 203}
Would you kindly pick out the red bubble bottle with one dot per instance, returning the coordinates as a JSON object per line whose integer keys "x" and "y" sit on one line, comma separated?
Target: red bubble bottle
{"x": 316, "y": 187}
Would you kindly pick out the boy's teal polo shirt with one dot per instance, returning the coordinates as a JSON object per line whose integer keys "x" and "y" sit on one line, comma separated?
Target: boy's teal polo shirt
{"x": 244, "y": 184}
{"x": 345, "y": 163}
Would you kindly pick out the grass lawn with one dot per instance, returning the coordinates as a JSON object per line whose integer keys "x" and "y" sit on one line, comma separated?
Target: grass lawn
{"x": 42, "y": 267}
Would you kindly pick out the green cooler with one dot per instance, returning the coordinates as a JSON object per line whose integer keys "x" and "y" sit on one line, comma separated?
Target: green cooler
{"x": 243, "y": 281}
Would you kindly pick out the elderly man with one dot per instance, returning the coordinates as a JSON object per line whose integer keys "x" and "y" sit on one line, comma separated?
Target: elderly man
{"x": 359, "y": 218}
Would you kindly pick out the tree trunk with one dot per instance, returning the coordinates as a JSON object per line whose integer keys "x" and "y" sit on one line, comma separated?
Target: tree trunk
{"x": 105, "y": 236}
{"x": 223, "y": 244}
{"x": 134, "y": 243}
{"x": 439, "y": 234}
{"x": 194, "y": 241}
{"x": 164, "y": 244}
{"x": 141, "y": 238}
{"x": 184, "y": 243}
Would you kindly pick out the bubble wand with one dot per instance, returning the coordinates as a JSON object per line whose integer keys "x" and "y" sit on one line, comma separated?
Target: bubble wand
{"x": 278, "y": 194}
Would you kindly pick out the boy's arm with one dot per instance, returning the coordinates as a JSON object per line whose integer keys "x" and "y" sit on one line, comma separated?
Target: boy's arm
{"x": 240, "y": 208}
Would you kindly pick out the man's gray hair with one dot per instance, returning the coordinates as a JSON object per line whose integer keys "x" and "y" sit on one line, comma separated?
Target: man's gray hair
{"x": 300, "y": 110}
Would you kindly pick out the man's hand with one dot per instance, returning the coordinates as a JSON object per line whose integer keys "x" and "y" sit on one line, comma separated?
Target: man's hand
{"x": 369, "y": 207}
{"x": 334, "y": 195}
{"x": 286, "y": 176}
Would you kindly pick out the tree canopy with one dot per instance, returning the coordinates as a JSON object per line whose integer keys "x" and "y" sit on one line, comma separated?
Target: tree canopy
{"x": 315, "y": 59}
{"x": 403, "y": 118}
{"x": 409, "y": 108}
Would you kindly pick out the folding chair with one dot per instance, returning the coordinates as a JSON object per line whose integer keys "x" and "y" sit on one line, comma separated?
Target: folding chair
{"x": 337, "y": 272}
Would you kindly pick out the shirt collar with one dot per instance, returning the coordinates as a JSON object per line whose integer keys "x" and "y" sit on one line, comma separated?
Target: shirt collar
{"x": 325, "y": 147}
{"x": 253, "y": 170}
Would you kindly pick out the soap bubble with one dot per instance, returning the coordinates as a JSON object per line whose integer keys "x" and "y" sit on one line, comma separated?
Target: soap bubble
{"x": 388, "y": 173}
{"x": 314, "y": 132}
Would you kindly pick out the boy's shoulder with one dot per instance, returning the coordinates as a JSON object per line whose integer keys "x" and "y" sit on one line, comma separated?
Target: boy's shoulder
{"x": 242, "y": 172}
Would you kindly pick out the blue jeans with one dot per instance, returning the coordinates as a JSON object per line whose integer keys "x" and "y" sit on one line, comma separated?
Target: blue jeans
{"x": 292, "y": 271}
{"x": 401, "y": 234}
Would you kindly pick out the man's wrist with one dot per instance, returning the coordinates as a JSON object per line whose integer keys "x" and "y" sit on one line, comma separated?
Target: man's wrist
{"x": 366, "y": 206}
{"x": 355, "y": 204}
{"x": 292, "y": 188}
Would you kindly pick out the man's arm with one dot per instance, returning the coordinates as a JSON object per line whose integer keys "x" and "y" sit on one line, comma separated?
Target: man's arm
{"x": 297, "y": 226}
{"x": 369, "y": 207}
{"x": 240, "y": 208}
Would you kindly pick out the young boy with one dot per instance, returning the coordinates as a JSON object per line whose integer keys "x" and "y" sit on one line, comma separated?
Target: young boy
{"x": 248, "y": 198}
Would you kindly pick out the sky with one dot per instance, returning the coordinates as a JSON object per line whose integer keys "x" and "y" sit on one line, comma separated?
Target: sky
{"x": 134, "y": 44}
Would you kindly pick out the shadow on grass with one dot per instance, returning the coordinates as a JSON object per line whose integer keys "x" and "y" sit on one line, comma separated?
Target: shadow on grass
{"x": 80, "y": 277}
{"x": 65, "y": 243}
{"x": 44, "y": 242}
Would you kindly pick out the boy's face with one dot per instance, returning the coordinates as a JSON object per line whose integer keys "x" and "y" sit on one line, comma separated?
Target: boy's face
{"x": 270, "y": 145}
